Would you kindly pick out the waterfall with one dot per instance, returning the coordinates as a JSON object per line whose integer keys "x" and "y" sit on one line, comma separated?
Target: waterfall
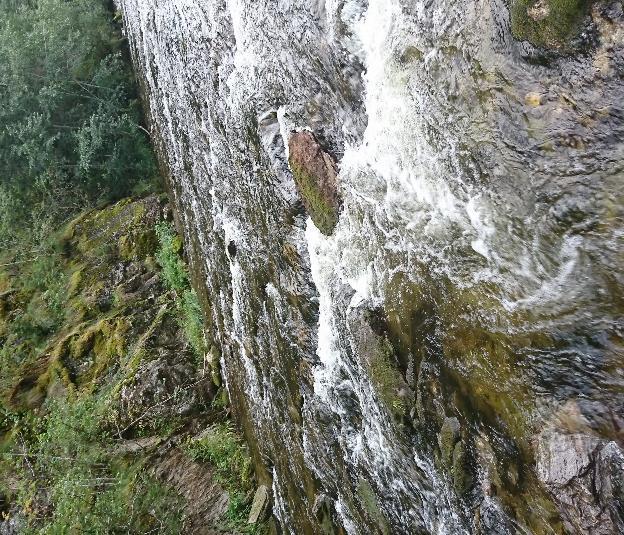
{"x": 408, "y": 372}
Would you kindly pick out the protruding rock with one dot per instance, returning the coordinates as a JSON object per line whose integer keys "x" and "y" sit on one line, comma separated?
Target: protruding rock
{"x": 462, "y": 478}
{"x": 315, "y": 174}
{"x": 259, "y": 505}
{"x": 448, "y": 437}
{"x": 583, "y": 473}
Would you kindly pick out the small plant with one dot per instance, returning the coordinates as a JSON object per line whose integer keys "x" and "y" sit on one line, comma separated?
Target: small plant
{"x": 174, "y": 272}
{"x": 169, "y": 259}
{"x": 224, "y": 450}
{"x": 192, "y": 321}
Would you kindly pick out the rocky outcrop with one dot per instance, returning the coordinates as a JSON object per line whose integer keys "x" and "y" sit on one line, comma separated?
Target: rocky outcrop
{"x": 584, "y": 473}
{"x": 315, "y": 171}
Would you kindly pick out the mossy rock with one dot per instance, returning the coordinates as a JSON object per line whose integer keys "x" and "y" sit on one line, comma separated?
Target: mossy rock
{"x": 551, "y": 24}
{"x": 460, "y": 470}
{"x": 125, "y": 229}
{"x": 368, "y": 500}
{"x": 388, "y": 381}
{"x": 314, "y": 172}
{"x": 447, "y": 439}
{"x": 323, "y": 213}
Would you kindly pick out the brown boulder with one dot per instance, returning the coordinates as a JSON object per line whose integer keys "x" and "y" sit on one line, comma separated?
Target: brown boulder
{"x": 315, "y": 174}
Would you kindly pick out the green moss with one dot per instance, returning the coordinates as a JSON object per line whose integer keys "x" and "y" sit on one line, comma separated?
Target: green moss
{"x": 324, "y": 213}
{"x": 75, "y": 281}
{"x": 368, "y": 500}
{"x": 56, "y": 377}
{"x": 110, "y": 340}
{"x": 548, "y": 23}
{"x": 388, "y": 380}
{"x": 137, "y": 245}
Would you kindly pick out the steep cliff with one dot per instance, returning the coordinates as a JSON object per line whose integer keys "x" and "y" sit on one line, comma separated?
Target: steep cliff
{"x": 438, "y": 347}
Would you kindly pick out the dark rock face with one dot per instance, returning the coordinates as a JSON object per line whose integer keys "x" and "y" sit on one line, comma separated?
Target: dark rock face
{"x": 315, "y": 173}
{"x": 161, "y": 391}
{"x": 206, "y": 499}
{"x": 585, "y": 476}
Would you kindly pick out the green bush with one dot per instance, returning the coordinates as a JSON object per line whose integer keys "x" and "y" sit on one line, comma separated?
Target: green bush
{"x": 90, "y": 490}
{"x": 70, "y": 119}
{"x": 225, "y": 451}
{"x": 169, "y": 258}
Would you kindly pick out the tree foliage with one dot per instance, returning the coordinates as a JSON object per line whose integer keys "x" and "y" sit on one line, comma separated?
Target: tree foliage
{"x": 70, "y": 120}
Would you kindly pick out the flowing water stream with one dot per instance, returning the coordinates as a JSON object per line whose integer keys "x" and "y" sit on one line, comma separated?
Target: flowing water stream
{"x": 405, "y": 374}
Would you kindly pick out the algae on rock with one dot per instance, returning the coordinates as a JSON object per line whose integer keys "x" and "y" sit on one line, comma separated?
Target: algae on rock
{"x": 548, "y": 23}
{"x": 315, "y": 173}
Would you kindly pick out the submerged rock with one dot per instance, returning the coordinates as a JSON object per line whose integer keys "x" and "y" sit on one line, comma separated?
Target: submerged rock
{"x": 315, "y": 173}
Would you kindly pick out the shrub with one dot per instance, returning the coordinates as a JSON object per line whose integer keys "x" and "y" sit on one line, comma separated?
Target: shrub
{"x": 168, "y": 256}
{"x": 175, "y": 275}
{"x": 71, "y": 454}
{"x": 225, "y": 451}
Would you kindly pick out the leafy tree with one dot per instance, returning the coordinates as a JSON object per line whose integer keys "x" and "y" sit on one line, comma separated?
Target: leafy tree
{"x": 70, "y": 119}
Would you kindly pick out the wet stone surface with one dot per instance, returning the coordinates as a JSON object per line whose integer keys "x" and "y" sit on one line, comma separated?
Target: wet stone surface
{"x": 479, "y": 153}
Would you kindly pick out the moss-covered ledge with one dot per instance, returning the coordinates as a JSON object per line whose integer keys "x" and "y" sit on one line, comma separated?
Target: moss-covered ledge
{"x": 551, "y": 24}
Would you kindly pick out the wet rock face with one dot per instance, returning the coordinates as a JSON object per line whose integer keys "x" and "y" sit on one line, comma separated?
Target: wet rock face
{"x": 315, "y": 173}
{"x": 480, "y": 211}
{"x": 585, "y": 477}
